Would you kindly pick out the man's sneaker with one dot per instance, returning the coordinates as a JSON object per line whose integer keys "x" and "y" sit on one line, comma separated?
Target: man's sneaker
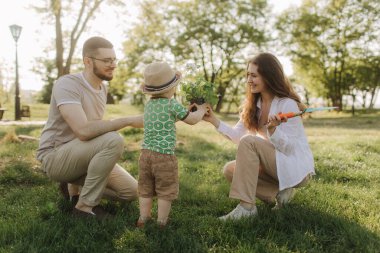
{"x": 284, "y": 197}
{"x": 238, "y": 213}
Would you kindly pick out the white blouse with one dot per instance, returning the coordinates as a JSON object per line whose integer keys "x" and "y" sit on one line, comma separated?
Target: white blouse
{"x": 294, "y": 159}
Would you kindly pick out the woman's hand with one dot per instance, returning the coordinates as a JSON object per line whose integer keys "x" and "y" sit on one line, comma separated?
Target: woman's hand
{"x": 210, "y": 117}
{"x": 274, "y": 121}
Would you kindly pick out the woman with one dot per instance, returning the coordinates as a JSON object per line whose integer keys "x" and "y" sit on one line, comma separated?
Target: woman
{"x": 273, "y": 155}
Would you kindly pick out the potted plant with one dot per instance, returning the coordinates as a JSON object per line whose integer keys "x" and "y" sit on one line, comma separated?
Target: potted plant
{"x": 196, "y": 89}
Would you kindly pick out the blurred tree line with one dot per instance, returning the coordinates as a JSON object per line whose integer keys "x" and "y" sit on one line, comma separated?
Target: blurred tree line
{"x": 333, "y": 44}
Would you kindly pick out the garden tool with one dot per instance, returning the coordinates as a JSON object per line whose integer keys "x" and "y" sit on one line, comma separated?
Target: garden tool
{"x": 295, "y": 114}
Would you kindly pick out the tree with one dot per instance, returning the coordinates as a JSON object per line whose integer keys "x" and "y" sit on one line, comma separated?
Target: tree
{"x": 323, "y": 38}
{"x": 116, "y": 88}
{"x": 366, "y": 80}
{"x": 214, "y": 34}
{"x": 146, "y": 42}
{"x": 2, "y": 89}
{"x": 67, "y": 33}
{"x": 5, "y": 89}
{"x": 70, "y": 20}
{"x": 46, "y": 68}
{"x": 373, "y": 81}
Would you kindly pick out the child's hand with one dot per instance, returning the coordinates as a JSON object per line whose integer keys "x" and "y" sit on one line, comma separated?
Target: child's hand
{"x": 195, "y": 107}
{"x": 195, "y": 115}
{"x": 192, "y": 107}
{"x": 203, "y": 107}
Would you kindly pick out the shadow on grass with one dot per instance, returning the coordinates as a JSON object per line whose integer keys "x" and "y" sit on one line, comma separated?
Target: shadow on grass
{"x": 31, "y": 222}
{"x": 193, "y": 228}
{"x": 21, "y": 174}
{"x": 297, "y": 227}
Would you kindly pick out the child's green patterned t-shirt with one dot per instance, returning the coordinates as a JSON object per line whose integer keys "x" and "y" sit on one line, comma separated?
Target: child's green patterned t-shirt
{"x": 160, "y": 116}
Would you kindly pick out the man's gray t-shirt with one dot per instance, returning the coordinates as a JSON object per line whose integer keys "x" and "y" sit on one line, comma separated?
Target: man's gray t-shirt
{"x": 70, "y": 89}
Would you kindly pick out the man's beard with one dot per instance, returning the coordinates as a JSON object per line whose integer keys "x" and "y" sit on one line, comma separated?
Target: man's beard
{"x": 100, "y": 75}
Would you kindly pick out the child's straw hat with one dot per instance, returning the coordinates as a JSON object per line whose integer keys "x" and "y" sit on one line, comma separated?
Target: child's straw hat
{"x": 159, "y": 77}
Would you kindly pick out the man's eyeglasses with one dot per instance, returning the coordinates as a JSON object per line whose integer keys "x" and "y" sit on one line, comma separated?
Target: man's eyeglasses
{"x": 107, "y": 62}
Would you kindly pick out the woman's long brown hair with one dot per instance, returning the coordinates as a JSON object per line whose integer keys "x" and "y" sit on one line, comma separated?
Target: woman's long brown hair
{"x": 272, "y": 73}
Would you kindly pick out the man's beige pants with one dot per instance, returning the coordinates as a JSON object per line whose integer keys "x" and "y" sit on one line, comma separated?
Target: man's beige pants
{"x": 254, "y": 173}
{"x": 92, "y": 164}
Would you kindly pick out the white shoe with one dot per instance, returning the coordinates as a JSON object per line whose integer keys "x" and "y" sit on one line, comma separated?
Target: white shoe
{"x": 238, "y": 213}
{"x": 284, "y": 197}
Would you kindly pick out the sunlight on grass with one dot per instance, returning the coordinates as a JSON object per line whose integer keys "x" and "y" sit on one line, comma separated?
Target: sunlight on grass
{"x": 336, "y": 212}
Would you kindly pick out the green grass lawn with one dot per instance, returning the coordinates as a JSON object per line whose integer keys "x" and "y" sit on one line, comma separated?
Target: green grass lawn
{"x": 337, "y": 212}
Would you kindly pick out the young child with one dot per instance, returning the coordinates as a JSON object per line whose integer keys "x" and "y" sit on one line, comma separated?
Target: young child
{"x": 158, "y": 166}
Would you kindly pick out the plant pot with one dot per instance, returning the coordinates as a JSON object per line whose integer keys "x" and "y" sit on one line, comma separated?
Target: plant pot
{"x": 198, "y": 101}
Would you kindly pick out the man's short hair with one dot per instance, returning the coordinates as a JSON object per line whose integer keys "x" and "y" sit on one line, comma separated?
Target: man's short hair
{"x": 91, "y": 46}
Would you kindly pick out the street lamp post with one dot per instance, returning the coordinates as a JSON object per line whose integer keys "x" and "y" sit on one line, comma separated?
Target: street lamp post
{"x": 16, "y": 31}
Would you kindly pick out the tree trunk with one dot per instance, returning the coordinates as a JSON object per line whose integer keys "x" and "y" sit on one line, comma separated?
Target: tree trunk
{"x": 229, "y": 106}
{"x": 110, "y": 99}
{"x": 364, "y": 99}
{"x": 59, "y": 37}
{"x": 219, "y": 103}
{"x": 307, "y": 97}
{"x": 81, "y": 22}
{"x": 374, "y": 93}
{"x": 221, "y": 94}
{"x": 337, "y": 101}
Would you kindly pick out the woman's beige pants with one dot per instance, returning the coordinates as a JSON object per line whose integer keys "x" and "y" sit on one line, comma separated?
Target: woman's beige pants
{"x": 254, "y": 172}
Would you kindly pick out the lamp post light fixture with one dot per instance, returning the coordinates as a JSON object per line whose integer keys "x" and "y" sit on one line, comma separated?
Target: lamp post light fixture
{"x": 16, "y": 32}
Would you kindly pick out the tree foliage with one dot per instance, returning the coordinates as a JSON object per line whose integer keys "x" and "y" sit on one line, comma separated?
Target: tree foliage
{"x": 327, "y": 40}
{"x": 46, "y": 68}
{"x": 214, "y": 34}
{"x": 70, "y": 19}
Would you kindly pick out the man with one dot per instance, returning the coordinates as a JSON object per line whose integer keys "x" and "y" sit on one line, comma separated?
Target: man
{"x": 77, "y": 146}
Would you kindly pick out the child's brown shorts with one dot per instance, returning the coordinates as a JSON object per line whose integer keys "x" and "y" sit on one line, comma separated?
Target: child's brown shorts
{"x": 158, "y": 175}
